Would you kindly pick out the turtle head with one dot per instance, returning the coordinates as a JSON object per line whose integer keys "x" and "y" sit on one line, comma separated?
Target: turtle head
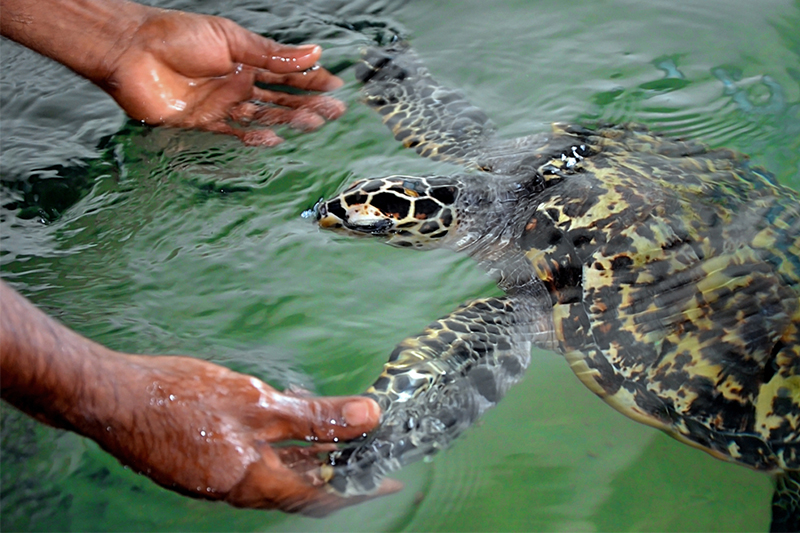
{"x": 410, "y": 211}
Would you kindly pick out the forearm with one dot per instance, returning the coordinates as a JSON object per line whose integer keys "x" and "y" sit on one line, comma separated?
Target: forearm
{"x": 49, "y": 371}
{"x": 123, "y": 402}
{"x": 78, "y": 33}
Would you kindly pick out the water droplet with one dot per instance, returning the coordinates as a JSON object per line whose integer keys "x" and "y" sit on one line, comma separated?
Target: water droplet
{"x": 172, "y": 397}
{"x": 202, "y": 433}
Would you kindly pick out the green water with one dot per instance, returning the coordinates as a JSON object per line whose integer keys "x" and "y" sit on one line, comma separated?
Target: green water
{"x": 189, "y": 243}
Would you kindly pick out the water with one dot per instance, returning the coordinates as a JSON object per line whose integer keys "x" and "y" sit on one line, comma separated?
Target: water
{"x": 189, "y": 243}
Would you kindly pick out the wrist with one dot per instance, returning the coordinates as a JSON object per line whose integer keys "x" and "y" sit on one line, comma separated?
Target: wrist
{"x": 96, "y": 404}
{"x": 84, "y": 35}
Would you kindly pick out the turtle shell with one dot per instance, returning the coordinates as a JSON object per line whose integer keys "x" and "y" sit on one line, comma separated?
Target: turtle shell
{"x": 674, "y": 273}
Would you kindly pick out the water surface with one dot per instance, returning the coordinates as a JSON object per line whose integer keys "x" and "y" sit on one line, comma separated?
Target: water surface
{"x": 165, "y": 241}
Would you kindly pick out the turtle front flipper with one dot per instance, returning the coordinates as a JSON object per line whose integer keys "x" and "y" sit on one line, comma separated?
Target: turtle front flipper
{"x": 786, "y": 503}
{"x": 437, "y": 384}
{"x": 438, "y": 122}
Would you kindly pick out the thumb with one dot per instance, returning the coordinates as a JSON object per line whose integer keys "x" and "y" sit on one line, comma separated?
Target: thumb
{"x": 329, "y": 419}
{"x": 256, "y": 51}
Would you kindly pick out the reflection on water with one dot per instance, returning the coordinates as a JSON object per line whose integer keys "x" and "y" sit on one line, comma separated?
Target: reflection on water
{"x": 182, "y": 242}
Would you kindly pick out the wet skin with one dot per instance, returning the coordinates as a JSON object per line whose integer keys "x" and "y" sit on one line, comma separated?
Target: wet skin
{"x": 192, "y": 426}
{"x": 178, "y": 69}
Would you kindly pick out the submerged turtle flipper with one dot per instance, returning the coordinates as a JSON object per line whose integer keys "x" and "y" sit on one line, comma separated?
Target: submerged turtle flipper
{"x": 438, "y": 122}
{"x": 436, "y": 385}
{"x": 786, "y": 503}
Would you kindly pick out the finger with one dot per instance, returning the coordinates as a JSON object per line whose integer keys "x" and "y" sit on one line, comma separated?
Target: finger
{"x": 257, "y": 51}
{"x": 316, "y": 79}
{"x": 244, "y": 112}
{"x": 259, "y": 137}
{"x": 296, "y": 390}
{"x": 299, "y": 119}
{"x": 268, "y": 485}
{"x": 309, "y": 462}
{"x": 324, "y": 106}
{"x": 323, "y": 419}
{"x": 305, "y": 459}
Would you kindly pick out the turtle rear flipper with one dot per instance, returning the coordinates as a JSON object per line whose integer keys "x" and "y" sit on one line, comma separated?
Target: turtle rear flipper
{"x": 786, "y": 503}
{"x": 437, "y": 384}
{"x": 438, "y": 122}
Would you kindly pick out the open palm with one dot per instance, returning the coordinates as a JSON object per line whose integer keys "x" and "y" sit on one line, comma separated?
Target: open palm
{"x": 198, "y": 71}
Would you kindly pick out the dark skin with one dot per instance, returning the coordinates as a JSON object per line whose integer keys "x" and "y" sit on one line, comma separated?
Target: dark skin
{"x": 178, "y": 69}
{"x": 190, "y": 425}
{"x": 218, "y": 85}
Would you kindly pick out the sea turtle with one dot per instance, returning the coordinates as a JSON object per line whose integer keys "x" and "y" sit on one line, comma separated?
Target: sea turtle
{"x": 665, "y": 272}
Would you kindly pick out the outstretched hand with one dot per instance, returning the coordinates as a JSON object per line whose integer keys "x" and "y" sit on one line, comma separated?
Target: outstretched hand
{"x": 192, "y": 426}
{"x": 208, "y": 431}
{"x": 199, "y": 71}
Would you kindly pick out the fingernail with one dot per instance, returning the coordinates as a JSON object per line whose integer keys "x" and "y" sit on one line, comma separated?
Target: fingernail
{"x": 307, "y": 48}
{"x": 356, "y": 413}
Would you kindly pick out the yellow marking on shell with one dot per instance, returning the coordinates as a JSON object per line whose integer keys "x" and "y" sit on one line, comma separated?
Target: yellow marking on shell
{"x": 588, "y": 376}
{"x": 731, "y": 389}
{"x": 538, "y": 259}
{"x": 594, "y": 277}
{"x": 560, "y": 313}
{"x": 764, "y": 239}
{"x": 733, "y": 451}
{"x": 766, "y": 419}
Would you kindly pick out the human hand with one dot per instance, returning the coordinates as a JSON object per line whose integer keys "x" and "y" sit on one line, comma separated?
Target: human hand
{"x": 199, "y": 71}
{"x": 206, "y": 431}
{"x": 190, "y": 425}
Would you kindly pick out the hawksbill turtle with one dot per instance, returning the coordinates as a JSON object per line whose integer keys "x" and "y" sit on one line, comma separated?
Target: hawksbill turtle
{"x": 665, "y": 272}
